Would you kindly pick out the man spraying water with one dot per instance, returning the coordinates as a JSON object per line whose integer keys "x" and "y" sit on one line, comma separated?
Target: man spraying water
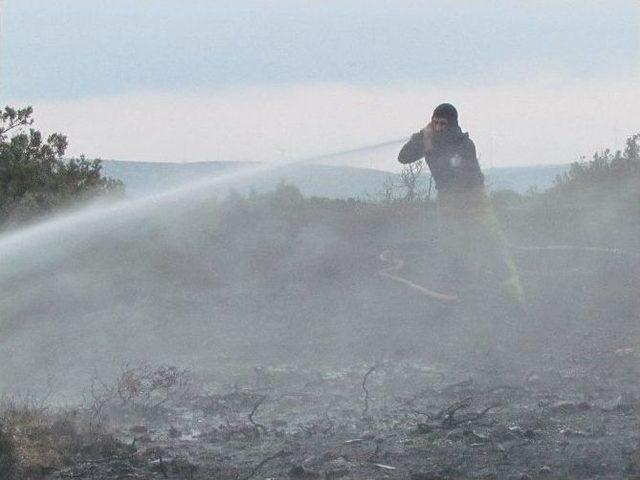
{"x": 470, "y": 235}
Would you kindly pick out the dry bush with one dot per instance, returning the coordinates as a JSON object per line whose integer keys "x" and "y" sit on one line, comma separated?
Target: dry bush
{"x": 227, "y": 403}
{"x": 29, "y": 427}
{"x": 178, "y": 467}
{"x": 45, "y": 440}
{"x": 8, "y": 456}
{"x": 36, "y": 440}
{"x": 143, "y": 391}
{"x": 151, "y": 387}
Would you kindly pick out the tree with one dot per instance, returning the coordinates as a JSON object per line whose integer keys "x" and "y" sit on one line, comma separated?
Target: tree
{"x": 411, "y": 180}
{"x": 35, "y": 178}
{"x": 607, "y": 171}
{"x": 409, "y": 187}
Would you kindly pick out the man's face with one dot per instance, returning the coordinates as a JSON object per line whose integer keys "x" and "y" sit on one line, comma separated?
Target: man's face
{"x": 439, "y": 124}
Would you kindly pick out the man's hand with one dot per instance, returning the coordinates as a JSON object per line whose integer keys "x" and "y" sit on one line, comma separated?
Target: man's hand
{"x": 428, "y": 128}
{"x": 427, "y": 136}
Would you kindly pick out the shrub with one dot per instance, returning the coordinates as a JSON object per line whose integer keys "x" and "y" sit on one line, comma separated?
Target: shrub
{"x": 8, "y": 457}
{"x": 141, "y": 391}
{"x": 36, "y": 441}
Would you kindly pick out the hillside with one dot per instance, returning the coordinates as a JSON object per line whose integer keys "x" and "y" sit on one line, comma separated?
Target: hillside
{"x": 143, "y": 178}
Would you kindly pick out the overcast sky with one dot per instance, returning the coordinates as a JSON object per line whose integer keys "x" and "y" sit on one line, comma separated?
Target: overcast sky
{"x": 534, "y": 82}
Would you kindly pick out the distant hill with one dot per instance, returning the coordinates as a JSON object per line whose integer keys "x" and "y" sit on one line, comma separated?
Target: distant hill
{"x": 522, "y": 179}
{"x": 142, "y": 178}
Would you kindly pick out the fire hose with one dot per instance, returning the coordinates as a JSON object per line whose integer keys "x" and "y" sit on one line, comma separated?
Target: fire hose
{"x": 396, "y": 264}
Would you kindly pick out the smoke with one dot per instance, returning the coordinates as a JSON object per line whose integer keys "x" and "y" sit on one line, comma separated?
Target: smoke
{"x": 142, "y": 279}
{"x": 213, "y": 281}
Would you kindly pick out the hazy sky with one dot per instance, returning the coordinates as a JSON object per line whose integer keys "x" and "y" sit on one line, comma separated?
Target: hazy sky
{"x": 535, "y": 82}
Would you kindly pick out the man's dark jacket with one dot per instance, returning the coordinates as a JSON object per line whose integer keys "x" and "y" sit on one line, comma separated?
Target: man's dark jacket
{"x": 450, "y": 155}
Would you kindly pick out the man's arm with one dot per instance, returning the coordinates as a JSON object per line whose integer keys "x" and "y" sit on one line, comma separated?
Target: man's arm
{"x": 414, "y": 149}
{"x": 472, "y": 166}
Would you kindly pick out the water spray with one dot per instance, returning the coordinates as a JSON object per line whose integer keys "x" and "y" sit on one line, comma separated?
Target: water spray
{"x": 49, "y": 229}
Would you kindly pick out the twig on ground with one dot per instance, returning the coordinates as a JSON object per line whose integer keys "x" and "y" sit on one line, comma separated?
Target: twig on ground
{"x": 448, "y": 419}
{"x": 365, "y": 410}
{"x": 426, "y": 414}
{"x": 108, "y": 459}
{"x": 376, "y": 452}
{"x": 257, "y": 468}
{"x": 471, "y": 417}
{"x": 330, "y": 423}
{"x": 162, "y": 467}
{"x": 258, "y": 426}
{"x": 578, "y": 248}
{"x": 453, "y": 386}
{"x": 322, "y": 427}
{"x": 448, "y": 413}
{"x": 442, "y": 376}
{"x": 506, "y": 387}
{"x": 410, "y": 402}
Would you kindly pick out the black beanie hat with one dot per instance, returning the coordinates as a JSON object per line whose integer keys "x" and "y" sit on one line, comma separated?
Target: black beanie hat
{"x": 448, "y": 111}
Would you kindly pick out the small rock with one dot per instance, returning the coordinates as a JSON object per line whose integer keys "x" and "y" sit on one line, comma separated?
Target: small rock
{"x": 502, "y": 433}
{"x": 584, "y": 406}
{"x": 174, "y": 433}
{"x": 121, "y": 467}
{"x": 139, "y": 429}
{"x": 298, "y": 471}
{"x": 566, "y": 408}
{"x": 329, "y": 455}
{"x": 336, "y": 473}
{"x": 475, "y": 436}
{"x": 624, "y": 352}
{"x": 534, "y": 380}
{"x": 488, "y": 473}
{"x": 424, "y": 428}
{"x": 144, "y": 439}
{"x": 454, "y": 435}
{"x": 353, "y": 440}
{"x": 545, "y": 470}
{"x": 426, "y": 476}
{"x": 384, "y": 467}
{"x": 567, "y": 432}
{"x": 340, "y": 463}
{"x": 624, "y": 403}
